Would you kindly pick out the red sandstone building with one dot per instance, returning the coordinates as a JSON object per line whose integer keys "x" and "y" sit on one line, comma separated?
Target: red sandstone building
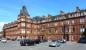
{"x": 65, "y": 25}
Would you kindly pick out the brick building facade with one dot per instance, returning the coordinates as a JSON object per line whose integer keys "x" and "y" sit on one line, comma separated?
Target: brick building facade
{"x": 65, "y": 25}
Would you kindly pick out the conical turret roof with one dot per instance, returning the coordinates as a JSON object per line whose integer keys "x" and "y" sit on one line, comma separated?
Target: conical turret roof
{"x": 24, "y": 12}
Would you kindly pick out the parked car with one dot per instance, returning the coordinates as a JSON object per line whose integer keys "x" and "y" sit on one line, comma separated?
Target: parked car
{"x": 18, "y": 39}
{"x": 3, "y": 40}
{"x": 0, "y": 39}
{"x": 13, "y": 39}
{"x": 26, "y": 42}
{"x": 37, "y": 41}
{"x": 82, "y": 40}
{"x": 62, "y": 41}
{"x": 44, "y": 40}
{"x": 54, "y": 44}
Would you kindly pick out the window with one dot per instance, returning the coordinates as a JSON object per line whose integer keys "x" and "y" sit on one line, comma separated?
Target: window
{"x": 69, "y": 16}
{"x": 84, "y": 13}
{"x": 68, "y": 22}
{"x": 55, "y": 24}
{"x": 70, "y": 28}
{"x": 61, "y": 23}
{"x": 65, "y": 29}
{"x": 56, "y": 31}
{"x": 23, "y": 24}
{"x": 22, "y": 19}
{"x": 44, "y": 21}
{"x": 52, "y": 30}
{"x": 82, "y": 28}
{"x": 51, "y": 24}
{"x": 75, "y": 15}
{"x": 72, "y": 38}
{"x": 23, "y": 31}
{"x": 29, "y": 25}
{"x": 82, "y": 20}
{"x": 78, "y": 14}
{"x": 73, "y": 29}
{"x": 72, "y": 21}
{"x": 28, "y": 32}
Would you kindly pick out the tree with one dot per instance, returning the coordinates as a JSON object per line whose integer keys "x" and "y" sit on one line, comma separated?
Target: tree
{"x": 84, "y": 33}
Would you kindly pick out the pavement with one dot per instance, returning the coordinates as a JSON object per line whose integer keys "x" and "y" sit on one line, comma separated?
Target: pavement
{"x": 14, "y": 45}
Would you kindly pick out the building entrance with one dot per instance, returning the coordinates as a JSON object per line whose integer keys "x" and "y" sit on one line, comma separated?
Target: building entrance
{"x": 41, "y": 37}
{"x": 67, "y": 37}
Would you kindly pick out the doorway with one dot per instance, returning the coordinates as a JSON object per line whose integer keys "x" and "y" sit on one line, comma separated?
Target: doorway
{"x": 67, "y": 37}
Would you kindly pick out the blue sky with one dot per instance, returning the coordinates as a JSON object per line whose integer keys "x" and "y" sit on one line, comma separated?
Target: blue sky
{"x": 9, "y": 9}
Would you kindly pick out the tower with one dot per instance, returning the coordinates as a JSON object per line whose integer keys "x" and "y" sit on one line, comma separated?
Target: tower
{"x": 23, "y": 22}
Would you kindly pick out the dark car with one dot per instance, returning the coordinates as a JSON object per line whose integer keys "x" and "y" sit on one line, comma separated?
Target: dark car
{"x": 44, "y": 40}
{"x": 26, "y": 42}
{"x": 37, "y": 41}
{"x": 62, "y": 41}
{"x": 82, "y": 40}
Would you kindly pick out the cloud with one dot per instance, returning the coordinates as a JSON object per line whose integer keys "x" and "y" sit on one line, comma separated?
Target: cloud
{"x": 1, "y": 25}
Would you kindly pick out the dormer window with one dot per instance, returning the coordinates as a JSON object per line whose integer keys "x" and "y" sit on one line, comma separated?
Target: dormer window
{"x": 78, "y": 14}
{"x": 84, "y": 13}
{"x": 77, "y": 9}
{"x": 62, "y": 13}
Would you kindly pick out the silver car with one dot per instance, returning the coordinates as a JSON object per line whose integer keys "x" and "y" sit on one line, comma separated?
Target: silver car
{"x": 54, "y": 44}
{"x": 3, "y": 40}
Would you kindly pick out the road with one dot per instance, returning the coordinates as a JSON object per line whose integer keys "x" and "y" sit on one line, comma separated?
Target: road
{"x": 14, "y": 45}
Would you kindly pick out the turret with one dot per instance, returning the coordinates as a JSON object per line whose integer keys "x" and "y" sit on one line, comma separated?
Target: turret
{"x": 24, "y": 12}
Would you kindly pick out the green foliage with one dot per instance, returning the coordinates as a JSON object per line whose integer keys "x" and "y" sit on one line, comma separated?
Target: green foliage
{"x": 84, "y": 33}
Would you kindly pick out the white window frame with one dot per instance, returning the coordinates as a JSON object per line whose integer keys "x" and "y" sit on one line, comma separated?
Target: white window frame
{"x": 82, "y": 20}
{"x": 82, "y": 30}
{"x": 72, "y": 21}
{"x": 23, "y": 31}
{"x": 23, "y": 24}
{"x": 22, "y": 19}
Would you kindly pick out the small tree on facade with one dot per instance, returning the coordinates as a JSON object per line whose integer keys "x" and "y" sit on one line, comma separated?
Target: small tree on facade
{"x": 84, "y": 33}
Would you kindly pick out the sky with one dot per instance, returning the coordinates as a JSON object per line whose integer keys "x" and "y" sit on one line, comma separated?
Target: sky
{"x": 9, "y": 9}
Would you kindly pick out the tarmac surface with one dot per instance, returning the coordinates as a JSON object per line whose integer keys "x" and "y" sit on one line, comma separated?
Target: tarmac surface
{"x": 14, "y": 45}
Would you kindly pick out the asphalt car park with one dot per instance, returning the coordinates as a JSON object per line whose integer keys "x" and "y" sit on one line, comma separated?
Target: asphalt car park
{"x": 15, "y": 45}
